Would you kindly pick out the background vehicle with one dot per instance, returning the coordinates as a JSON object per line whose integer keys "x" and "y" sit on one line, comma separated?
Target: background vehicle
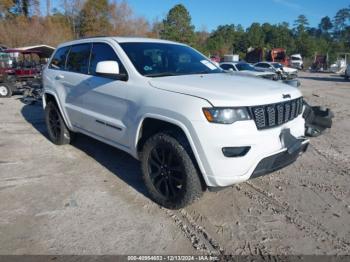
{"x": 255, "y": 55}
{"x": 5, "y": 65}
{"x": 190, "y": 124}
{"x": 282, "y": 72}
{"x": 278, "y": 55}
{"x": 296, "y": 61}
{"x": 347, "y": 72}
{"x": 21, "y": 70}
{"x": 320, "y": 63}
{"x": 246, "y": 69}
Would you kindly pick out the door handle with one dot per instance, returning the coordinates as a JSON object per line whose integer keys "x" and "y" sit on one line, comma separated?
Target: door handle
{"x": 59, "y": 77}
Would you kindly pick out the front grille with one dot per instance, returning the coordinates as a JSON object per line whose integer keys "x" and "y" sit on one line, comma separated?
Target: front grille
{"x": 267, "y": 116}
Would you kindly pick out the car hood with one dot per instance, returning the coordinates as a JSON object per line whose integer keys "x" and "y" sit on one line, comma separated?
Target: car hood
{"x": 223, "y": 89}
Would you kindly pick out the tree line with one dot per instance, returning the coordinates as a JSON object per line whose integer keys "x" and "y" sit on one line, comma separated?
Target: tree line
{"x": 21, "y": 23}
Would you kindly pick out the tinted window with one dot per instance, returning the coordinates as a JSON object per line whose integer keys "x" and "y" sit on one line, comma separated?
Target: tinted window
{"x": 245, "y": 67}
{"x": 263, "y": 65}
{"x": 160, "y": 59}
{"x": 78, "y": 58}
{"x": 277, "y": 65}
{"x": 59, "y": 59}
{"x": 103, "y": 52}
{"x": 227, "y": 67}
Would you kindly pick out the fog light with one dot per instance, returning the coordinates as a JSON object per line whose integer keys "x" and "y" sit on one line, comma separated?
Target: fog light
{"x": 235, "y": 151}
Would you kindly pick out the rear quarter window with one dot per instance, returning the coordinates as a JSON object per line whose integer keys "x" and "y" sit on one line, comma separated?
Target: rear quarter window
{"x": 59, "y": 59}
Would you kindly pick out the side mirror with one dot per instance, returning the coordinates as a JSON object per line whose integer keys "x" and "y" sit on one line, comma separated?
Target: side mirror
{"x": 231, "y": 70}
{"x": 109, "y": 69}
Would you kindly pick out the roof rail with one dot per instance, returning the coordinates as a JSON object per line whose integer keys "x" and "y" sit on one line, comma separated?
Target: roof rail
{"x": 88, "y": 37}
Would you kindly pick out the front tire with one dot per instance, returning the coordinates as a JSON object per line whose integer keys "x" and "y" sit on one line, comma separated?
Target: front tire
{"x": 5, "y": 90}
{"x": 56, "y": 127}
{"x": 169, "y": 173}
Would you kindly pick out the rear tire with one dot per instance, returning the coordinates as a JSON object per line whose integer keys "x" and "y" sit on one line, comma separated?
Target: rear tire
{"x": 56, "y": 127}
{"x": 5, "y": 90}
{"x": 169, "y": 173}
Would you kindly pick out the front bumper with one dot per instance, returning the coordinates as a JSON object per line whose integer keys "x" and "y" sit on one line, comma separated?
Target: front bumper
{"x": 219, "y": 170}
{"x": 278, "y": 161}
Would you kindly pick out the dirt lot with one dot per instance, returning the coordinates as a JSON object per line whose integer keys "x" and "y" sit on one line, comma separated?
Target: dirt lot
{"x": 88, "y": 198}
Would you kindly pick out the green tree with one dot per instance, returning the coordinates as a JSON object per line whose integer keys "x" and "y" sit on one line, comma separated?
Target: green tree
{"x": 177, "y": 26}
{"x": 94, "y": 18}
{"x": 325, "y": 24}
{"x": 305, "y": 44}
{"x": 301, "y": 24}
{"x": 340, "y": 19}
{"x": 256, "y": 35}
{"x": 222, "y": 39}
{"x": 283, "y": 37}
{"x": 340, "y": 22}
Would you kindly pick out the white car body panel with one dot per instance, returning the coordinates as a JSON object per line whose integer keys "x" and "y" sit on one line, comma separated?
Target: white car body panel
{"x": 122, "y": 106}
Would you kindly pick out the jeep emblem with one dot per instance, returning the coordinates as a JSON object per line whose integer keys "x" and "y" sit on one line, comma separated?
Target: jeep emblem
{"x": 286, "y": 96}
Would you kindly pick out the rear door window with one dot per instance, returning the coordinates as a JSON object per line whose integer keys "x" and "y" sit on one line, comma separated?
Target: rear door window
{"x": 103, "y": 52}
{"x": 78, "y": 58}
{"x": 59, "y": 59}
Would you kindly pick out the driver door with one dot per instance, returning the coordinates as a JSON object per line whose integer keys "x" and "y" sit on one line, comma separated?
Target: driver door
{"x": 104, "y": 104}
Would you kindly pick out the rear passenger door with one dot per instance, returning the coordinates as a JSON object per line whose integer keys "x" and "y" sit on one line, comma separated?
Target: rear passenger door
{"x": 102, "y": 100}
{"x": 75, "y": 82}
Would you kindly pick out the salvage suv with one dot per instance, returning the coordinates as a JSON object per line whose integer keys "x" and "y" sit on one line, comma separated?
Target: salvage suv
{"x": 192, "y": 126}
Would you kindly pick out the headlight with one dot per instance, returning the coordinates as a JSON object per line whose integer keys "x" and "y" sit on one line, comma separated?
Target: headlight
{"x": 226, "y": 115}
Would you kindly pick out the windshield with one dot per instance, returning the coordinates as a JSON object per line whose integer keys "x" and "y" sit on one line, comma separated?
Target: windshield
{"x": 277, "y": 65}
{"x": 161, "y": 59}
{"x": 245, "y": 67}
{"x": 296, "y": 58}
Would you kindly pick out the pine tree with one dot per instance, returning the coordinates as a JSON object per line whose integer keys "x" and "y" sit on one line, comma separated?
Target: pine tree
{"x": 177, "y": 26}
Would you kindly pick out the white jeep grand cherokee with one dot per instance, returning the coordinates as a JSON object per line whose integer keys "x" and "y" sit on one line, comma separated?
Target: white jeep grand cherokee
{"x": 190, "y": 124}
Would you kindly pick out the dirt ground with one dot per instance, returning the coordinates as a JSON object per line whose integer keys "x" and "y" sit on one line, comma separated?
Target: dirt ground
{"x": 88, "y": 198}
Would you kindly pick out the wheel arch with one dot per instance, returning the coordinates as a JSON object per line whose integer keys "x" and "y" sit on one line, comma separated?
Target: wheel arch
{"x": 160, "y": 123}
{"x": 50, "y": 96}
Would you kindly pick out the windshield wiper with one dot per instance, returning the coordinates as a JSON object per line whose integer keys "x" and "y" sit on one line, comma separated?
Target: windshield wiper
{"x": 161, "y": 74}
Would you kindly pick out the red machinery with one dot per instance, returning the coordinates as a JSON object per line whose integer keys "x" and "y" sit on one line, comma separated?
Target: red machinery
{"x": 278, "y": 55}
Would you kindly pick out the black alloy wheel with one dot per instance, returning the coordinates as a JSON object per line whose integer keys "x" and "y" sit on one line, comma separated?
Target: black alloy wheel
{"x": 56, "y": 127}
{"x": 169, "y": 171}
{"x": 166, "y": 172}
